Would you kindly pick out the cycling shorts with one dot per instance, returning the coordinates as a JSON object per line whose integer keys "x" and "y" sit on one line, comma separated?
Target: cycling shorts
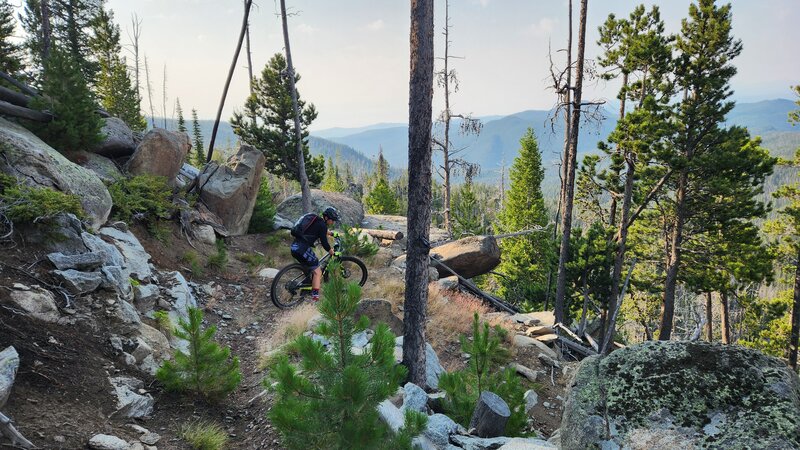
{"x": 304, "y": 254}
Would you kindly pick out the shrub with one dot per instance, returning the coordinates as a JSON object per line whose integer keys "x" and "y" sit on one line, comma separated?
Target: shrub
{"x": 144, "y": 198}
{"x": 164, "y": 323}
{"x": 190, "y": 258}
{"x": 263, "y": 211}
{"x": 463, "y": 387}
{"x": 330, "y": 402}
{"x": 353, "y": 243}
{"x": 253, "y": 260}
{"x": 207, "y": 370}
{"x": 205, "y": 435}
{"x": 25, "y": 204}
{"x": 218, "y": 260}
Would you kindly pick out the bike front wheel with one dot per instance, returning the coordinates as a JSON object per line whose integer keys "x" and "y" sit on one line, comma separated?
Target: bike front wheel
{"x": 352, "y": 270}
{"x": 290, "y": 286}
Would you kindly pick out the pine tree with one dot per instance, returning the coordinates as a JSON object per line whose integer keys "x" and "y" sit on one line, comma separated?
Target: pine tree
{"x": 11, "y": 53}
{"x": 75, "y": 125}
{"x": 181, "y": 120}
{"x": 466, "y": 217}
{"x": 273, "y": 130}
{"x": 381, "y": 199}
{"x": 264, "y": 210}
{"x": 332, "y": 181}
{"x": 330, "y": 401}
{"x": 207, "y": 370}
{"x": 527, "y": 260}
{"x": 199, "y": 158}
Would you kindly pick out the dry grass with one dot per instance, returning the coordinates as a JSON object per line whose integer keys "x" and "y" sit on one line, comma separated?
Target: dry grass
{"x": 386, "y": 283}
{"x": 450, "y": 314}
{"x": 288, "y": 326}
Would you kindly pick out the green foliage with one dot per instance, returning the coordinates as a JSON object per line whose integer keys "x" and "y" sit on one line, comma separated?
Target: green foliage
{"x": 25, "y": 204}
{"x": 767, "y": 323}
{"x": 207, "y": 370}
{"x": 264, "y": 210}
{"x": 381, "y": 199}
{"x": 191, "y": 258}
{"x": 527, "y": 260}
{"x": 332, "y": 182}
{"x": 353, "y": 243}
{"x": 253, "y": 260}
{"x": 468, "y": 214}
{"x": 143, "y": 198}
{"x": 218, "y": 260}
{"x": 116, "y": 91}
{"x": 330, "y": 400}
{"x": 164, "y": 323}
{"x": 65, "y": 93}
{"x": 179, "y": 113}
{"x": 11, "y": 54}
{"x": 198, "y": 157}
{"x": 463, "y": 387}
{"x": 267, "y": 123}
{"x": 204, "y": 435}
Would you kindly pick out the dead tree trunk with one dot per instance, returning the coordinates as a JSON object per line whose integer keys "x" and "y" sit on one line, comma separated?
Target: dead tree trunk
{"x": 569, "y": 183}
{"x": 709, "y": 317}
{"x": 794, "y": 336}
{"x": 298, "y": 134}
{"x": 725, "y": 325}
{"x": 47, "y": 34}
{"x": 419, "y": 189}
{"x": 674, "y": 259}
{"x": 248, "y": 4}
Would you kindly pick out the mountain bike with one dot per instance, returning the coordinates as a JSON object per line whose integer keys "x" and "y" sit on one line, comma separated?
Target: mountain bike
{"x": 292, "y": 284}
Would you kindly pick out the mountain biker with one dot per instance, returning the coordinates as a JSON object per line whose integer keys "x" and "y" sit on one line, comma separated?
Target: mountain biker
{"x": 313, "y": 227}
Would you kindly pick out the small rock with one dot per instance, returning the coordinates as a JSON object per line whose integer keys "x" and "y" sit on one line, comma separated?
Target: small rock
{"x": 150, "y": 438}
{"x": 107, "y": 442}
{"x": 531, "y": 400}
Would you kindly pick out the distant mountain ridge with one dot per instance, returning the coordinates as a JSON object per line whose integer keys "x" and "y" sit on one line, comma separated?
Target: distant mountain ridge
{"x": 498, "y": 143}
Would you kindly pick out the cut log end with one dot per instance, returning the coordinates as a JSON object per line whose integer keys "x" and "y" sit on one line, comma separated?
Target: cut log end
{"x": 490, "y": 416}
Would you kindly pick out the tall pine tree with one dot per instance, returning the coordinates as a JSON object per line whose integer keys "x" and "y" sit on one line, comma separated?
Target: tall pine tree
{"x": 179, "y": 113}
{"x": 527, "y": 260}
{"x": 273, "y": 130}
{"x": 11, "y": 53}
{"x": 199, "y": 155}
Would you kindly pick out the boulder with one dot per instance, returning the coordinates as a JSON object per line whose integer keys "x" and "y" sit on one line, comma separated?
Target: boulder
{"x": 379, "y": 311}
{"x": 154, "y": 339}
{"x": 433, "y": 368}
{"x": 448, "y": 283}
{"x": 160, "y": 153}
{"x": 84, "y": 261}
{"x": 119, "y": 140}
{"x": 280, "y": 222}
{"x": 351, "y": 211}
{"x": 688, "y": 394}
{"x": 103, "y": 167}
{"x": 135, "y": 256}
{"x": 230, "y": 191}
{"x": 78, "y": 282}
{"x": 543, "y": 318}
{"x": 107, "y": 442}
{"x": 439, "y": 429}
{"x": 391, "y": 415}
{"x": 36, "y": 302}
{"x": 181, "y": 294}
{"x": 469, "y": 257}
{"x": 129, "y": 402}
{"x": 9, "y": 363}
{"x": 414, "y": 398}
{"x": 205, "y": 234}
{"x": 34, "y": 163}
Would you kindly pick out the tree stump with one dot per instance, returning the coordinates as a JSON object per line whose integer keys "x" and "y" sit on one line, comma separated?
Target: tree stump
{"x": 490, "y": 416}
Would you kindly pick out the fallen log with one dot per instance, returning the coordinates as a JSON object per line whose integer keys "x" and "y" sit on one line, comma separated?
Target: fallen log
{"x": 471, "y": 287}
{"x": 14, "y": 97}
{"x": 381, "y": 234}
{"x": 578, "y": 348}
{"x": 27, "y": 90}
{"x": 24, "y": 113}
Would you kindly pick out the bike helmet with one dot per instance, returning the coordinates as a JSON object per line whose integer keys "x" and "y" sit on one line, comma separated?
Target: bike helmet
{"x": 331, "y": 213}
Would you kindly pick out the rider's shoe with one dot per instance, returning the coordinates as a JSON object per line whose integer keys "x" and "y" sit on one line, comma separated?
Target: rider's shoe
{"x": 315, "y": 295}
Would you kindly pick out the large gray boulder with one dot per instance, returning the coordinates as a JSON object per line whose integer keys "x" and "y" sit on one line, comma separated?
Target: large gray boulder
{"x": 34, "y": 302}
{"x": 119, "y": 140}
{"x": 103, "y": 167}
{"x": 9, "y": 363}
{"x": 136, "y": 257}
{"x": 34, "y": 163}
{"x": 682, "y": 395}
{"x": 160, "y": 153}
{"x": 351, "y": 211}
{"x": 230, "y": 191}
{"x": 468, "y": 257}
{"x": 129, "y": 402}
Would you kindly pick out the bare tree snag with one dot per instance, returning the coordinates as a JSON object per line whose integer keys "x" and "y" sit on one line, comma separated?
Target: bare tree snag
{"x": 247, "y": 5}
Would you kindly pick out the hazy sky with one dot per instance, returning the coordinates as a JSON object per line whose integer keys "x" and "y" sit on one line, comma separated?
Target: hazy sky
{"x": 353, "y": 54}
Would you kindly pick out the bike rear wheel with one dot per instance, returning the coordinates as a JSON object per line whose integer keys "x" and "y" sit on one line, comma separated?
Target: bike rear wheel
{"x": 352, "y": 270}
{"x": 290, "y": 286}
